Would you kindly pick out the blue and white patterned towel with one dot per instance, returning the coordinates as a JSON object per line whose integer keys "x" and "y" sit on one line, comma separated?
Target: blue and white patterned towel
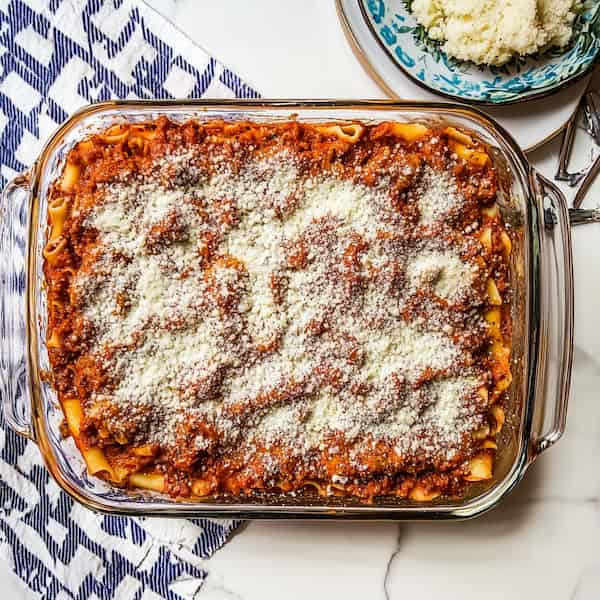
{"x": 55, "y": 56}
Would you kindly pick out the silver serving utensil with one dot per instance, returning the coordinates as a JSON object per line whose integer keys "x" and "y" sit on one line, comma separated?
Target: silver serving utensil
{"x": 582, "y": 216}
{"x": 577, "y": 216}
{"x": 590, "y": 106}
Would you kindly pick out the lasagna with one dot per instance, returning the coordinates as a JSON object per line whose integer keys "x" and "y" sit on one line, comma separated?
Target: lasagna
{"x": 237, "y": 308}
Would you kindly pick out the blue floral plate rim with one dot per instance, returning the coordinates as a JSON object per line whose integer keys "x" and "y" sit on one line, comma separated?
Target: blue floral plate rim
{"x": 513, "y": 97}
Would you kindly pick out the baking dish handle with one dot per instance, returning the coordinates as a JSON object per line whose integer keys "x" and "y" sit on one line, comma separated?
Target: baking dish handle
{"x": 14, "y": 209}
{"x": 557, "y": 295}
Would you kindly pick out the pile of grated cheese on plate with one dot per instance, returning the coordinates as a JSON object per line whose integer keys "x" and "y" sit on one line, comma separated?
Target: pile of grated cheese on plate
{"x": 491, "y": 32}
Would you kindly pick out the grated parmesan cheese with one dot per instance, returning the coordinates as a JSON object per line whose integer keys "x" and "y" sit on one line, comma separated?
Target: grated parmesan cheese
{"x": 438, "y": 196}
{"x": 491, "y": 32}
{"x": 208, "y": 338}
{"x": 444, "y": 272}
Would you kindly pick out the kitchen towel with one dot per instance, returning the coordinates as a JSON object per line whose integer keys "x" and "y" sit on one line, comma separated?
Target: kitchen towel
{"x": 56, "y": 56}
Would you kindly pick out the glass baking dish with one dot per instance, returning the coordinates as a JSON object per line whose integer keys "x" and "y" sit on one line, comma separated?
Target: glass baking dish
{"x": 542, "y": 312}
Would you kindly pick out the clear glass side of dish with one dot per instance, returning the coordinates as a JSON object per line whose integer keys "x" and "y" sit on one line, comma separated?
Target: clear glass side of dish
{"x": 519, "y": 200}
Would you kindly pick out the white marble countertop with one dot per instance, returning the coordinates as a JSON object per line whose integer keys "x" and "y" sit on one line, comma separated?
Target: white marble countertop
{"x": 543, "y": 540}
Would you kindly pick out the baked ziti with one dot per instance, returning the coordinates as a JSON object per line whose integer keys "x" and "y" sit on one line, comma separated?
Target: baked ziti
{"x": 240, "y": 307}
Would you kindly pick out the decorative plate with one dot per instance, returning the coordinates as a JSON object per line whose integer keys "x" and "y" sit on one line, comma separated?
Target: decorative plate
{"x": 424, "y": 61}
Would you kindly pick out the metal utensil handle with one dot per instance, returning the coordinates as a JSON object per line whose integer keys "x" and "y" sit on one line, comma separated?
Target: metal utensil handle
{"x": 586, "y": 183}
{"x": 589, "y": 106}
{"x": 582, "y": 216}
{"x": 14, "y": 208}
{"x": 557, "y": 308}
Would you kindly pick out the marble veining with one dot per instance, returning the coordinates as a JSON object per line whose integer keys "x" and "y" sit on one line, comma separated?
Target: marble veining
{"x": 390, "y": 562}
